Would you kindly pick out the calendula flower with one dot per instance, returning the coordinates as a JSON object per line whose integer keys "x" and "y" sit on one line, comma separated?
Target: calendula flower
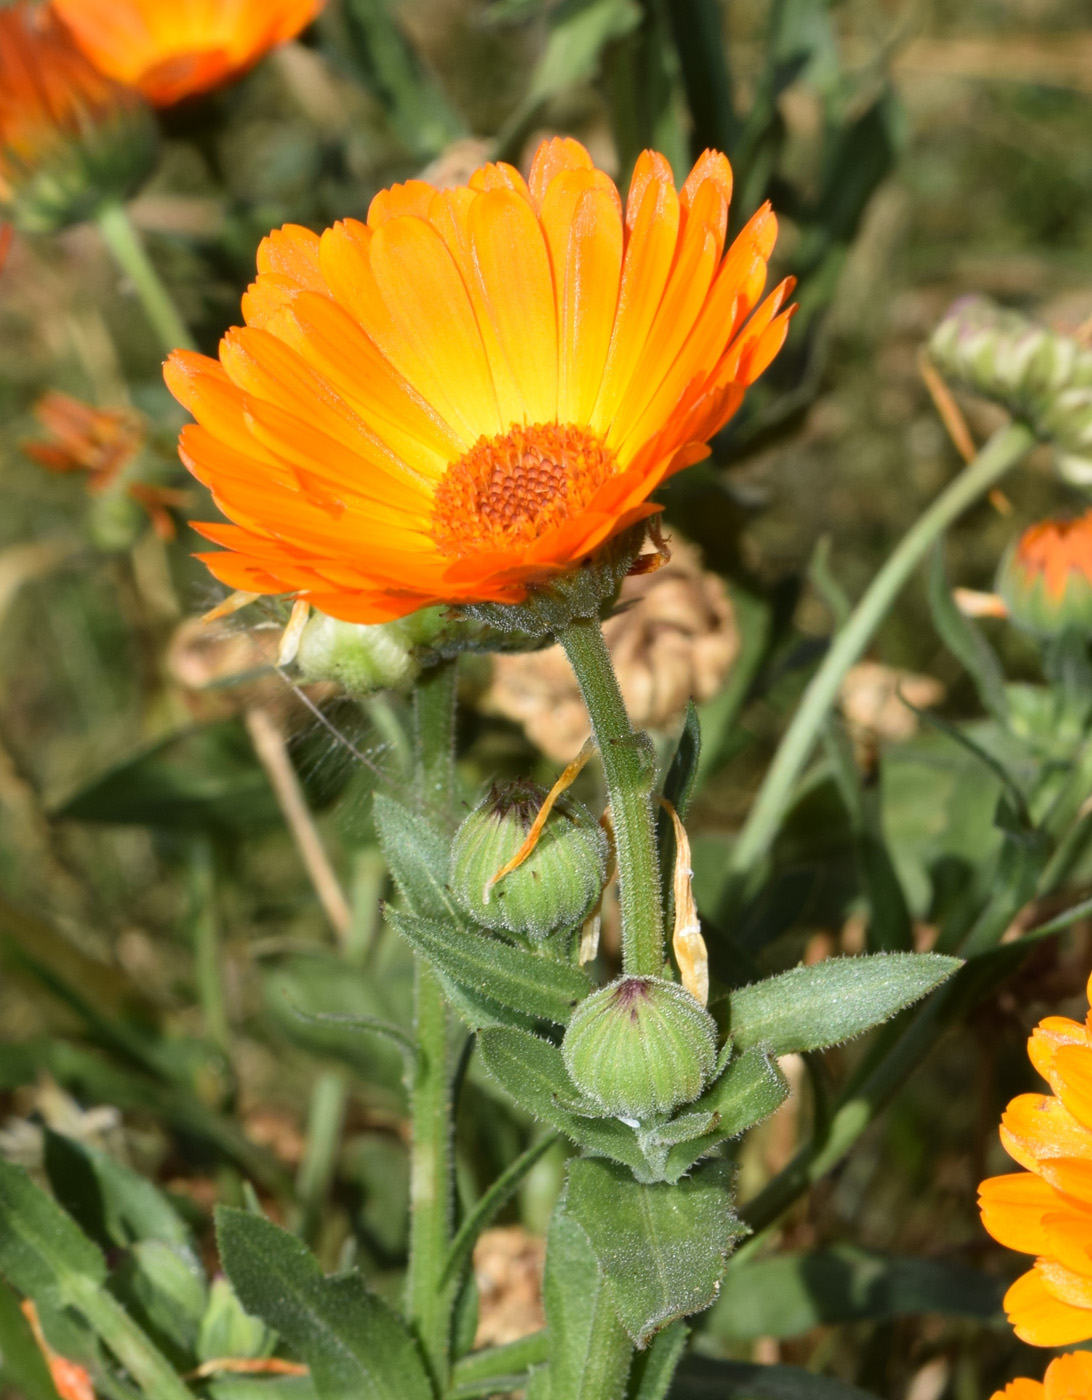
{"x": 1067, "y": 1377}
{"x": 71, "y": 139}
{"x": 1046, "y": 577}
{"x": 171, "y": 49}
{"x": 467, "y": 395}
{"x": 103, "y": 443}
{"x": 1046, "y": 1210}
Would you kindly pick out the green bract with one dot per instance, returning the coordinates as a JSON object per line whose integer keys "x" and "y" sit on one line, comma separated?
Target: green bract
{"x": 640, "y": 1046}
{"x": 556, "y": 885}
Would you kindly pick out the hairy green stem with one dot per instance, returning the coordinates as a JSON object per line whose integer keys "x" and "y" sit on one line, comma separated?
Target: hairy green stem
{"x": 128, "y": 251}
{"x": 429, "y": 1301}
{"x": 1000, "y": 454}
{"x": 628, "y": 768}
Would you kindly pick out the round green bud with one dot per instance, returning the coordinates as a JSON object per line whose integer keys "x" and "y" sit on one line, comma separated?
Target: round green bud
{"x": 640, "y": 1046}
{"x": 1045, "y": 577}
{"x": 555, "y": 887}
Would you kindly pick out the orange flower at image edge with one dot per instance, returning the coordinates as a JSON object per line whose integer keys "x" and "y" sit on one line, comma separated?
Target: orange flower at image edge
{"x": 70, "y": 137}
{"x": 471, "y": 392}
{"x": 171, "y": 49}
{"x": 1067, "y": 1378}
{"x": 1046, "y": 1210}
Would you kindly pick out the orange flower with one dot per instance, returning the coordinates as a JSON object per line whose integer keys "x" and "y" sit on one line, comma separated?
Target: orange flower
{"x": 1047, "y": 1209}
{"x": 171, "y": 49}
{"x": 102, "y": 442}
{"x": 468, "y": 394}
{"x": 70, "y": 137}
{"x": 1067, "y": 1377}
{"x": 1046, "y": 577}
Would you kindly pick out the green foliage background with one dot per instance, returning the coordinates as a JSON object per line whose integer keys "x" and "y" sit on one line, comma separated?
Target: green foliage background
{"x": 166, "y": 968}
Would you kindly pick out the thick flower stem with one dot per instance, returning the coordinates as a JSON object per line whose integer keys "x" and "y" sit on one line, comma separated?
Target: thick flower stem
{"x": 1000, "y": 454}
{"x": 628, "y": 767}
{"x": 128, "y": 251}
{"x": 428, "y": 1300}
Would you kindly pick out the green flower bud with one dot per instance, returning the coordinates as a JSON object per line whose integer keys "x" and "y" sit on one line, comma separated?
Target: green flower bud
{"x": 366, "y": 657}
{"x": 555, "y": 887}
{"x": 590, "y": 590}
{"x": 1046, "y": 577}
{"x": 640, "y": 1046}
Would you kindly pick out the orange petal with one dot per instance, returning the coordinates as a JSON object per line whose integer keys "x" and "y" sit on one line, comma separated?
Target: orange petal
{"x": 582, "y": 220}
{"x": 1069, "y": 1377}
{"x": 292, "y": 252}
{"x": 553, "y": 156}
{"x": 1071, "y": 1079}
{"x": 517, "y": 287}
{"x": 650, "y": 253}
{"x": 1013, "y": 1208}
{"x": 1037, "y": 1126}
{"x": 1040, "y": 1318}
{"x": 1048, "y": 1036}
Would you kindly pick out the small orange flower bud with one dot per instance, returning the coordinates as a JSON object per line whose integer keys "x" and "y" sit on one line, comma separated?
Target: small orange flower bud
{"x": 1046, "y": 577}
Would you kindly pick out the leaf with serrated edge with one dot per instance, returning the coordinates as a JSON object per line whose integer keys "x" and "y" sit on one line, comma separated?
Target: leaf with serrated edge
{"x": 810, "y": 1008}
{"x": 355, "y": 1346}
{"x": 533, "y": 1072}
{"x": 662, "y": 1249}
{"x": 532, "y": 985}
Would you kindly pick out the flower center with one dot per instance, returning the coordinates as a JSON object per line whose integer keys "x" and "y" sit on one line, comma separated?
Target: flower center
{"x": 510, "y": 489}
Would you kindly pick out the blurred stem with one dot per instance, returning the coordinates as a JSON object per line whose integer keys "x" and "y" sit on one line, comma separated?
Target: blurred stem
{"x": 1007, "y": 446}
{"x": 369, "y": 878}
{"x": 325, "y": 1117}
{"x": 626, "y": 766}
{"x": 117, "y": 1330}
{"x": 269, "y": 744}
{"x": 483, "y": 1372}
{"x": 429, "y": 1300}
{"x": 206, "y": 944}
{"x": 128, "y": 251}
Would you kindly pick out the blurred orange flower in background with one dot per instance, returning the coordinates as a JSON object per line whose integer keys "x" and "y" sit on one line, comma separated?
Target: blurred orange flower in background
{"x": 171, "y": 49}
{"x": 471, "y": 392}
{"x": 102, "y": 442}
{"x": 1067, "y": 1378}
{"x": 1047, "y": 1209}
{"x": 71, "y": 138}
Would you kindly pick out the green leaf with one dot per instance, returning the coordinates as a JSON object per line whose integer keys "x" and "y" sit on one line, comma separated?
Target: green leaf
{"x": 227, "y": 1330}
{"x": 355, "y": 1345}
{"x": 113, "y": 1204}
{"x": 662, "y": 1248}
{"x": 578, "y": 1314}
{"x": 890, "y": 928}
{"x": 655, "y": 1368}
{"x": 532, "y": 985}
{"x": 418, "y": 857}
{"x": 579, "y": 31}
{"x": 787, "y": 1295}
{"x": 205, "y": 780}
{"x": 165, "y": 1290}
{"x": 533, "y": 1072}
{"x": 966, "y": 642}
{"x": 373, "y": 45}
{"x": 749, "y": 1090}
{"x": 809, "y": 1008}
{"x": 42, "y": 1249}
{"x": 23, "y": 1368}
{"x": 701, "y": 1379}
{"x": 262, "y": 1388}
